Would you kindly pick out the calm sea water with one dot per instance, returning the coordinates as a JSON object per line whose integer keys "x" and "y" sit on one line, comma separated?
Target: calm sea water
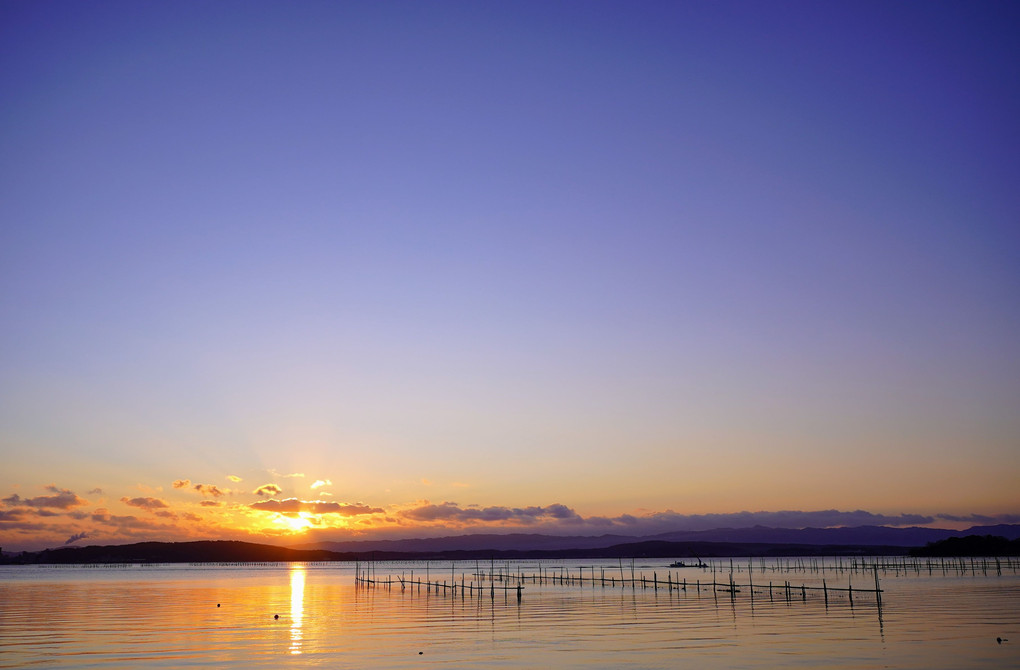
{"x": 174, "y": 616}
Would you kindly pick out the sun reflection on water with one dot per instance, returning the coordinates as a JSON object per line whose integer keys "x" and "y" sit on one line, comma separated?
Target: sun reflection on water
{"x": 297, "y": 606}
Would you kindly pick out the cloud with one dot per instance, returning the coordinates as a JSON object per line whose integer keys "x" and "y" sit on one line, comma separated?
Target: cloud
{"x": 293, "y": 506}
{"x": 76, "y": 537}
{"x": 204, "y": 489}
{"x": 96, "y": 492}
{"x": 234, "y": 478}
{"x": 560, "y": 518}
{"x": 321, "y": 482}
{"x": 150, "y": 504}
{"x": 268, "y": 490}
{"x": 62, "y": 499}
{"x": 293, "y": 474}
{"x": 102, "y": 516}
{"x": 450, "y": 511}
{"x": 982, "y": 519}
{"x": 781, "y": 519}
{"x": 211, "y": 503}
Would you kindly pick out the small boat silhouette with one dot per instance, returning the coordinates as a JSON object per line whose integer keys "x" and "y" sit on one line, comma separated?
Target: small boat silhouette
{"x": 681, "y": 564}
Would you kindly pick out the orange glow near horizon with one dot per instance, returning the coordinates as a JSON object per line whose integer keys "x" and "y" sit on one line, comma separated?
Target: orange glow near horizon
{"x": 181, "y": 515}
{"x": 294, "y": 524}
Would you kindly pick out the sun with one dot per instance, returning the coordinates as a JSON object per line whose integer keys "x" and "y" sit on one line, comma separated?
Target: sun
{"x": 295, "y": 524}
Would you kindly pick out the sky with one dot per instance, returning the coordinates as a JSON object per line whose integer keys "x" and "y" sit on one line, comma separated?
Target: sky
{"x": 283, "y": 271}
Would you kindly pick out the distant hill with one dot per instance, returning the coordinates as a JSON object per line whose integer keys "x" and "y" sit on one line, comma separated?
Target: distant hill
{"x": 476, "y": 542}
{"x": 860, "y": 535}
{"x": 864, "y": 540}
{"x": 247, "y": 552}
{"x": 901, "y": 537}
{"x": 971, "y": 545}
{"x": 222, "y": 551}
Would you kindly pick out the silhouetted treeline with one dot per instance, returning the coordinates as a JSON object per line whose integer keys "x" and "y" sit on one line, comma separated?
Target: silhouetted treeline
{"x": 247, "y": 552}
{"x": 971, "y": 545}
{"x": 212, "y": 551}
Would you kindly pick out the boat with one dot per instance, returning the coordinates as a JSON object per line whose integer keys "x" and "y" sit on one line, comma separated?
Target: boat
{"x": 681, "y": 564}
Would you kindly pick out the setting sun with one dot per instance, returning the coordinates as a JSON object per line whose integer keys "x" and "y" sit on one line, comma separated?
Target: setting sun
{"x": 295, "y": 524}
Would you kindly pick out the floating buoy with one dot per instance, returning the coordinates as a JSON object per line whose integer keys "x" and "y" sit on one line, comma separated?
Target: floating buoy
{"x": 420, "y": 653}
{"x": 217, "y": 604}
{"x": 276, "y": 616}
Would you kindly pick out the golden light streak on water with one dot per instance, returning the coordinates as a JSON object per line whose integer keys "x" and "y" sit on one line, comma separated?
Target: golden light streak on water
{"x": 297, "y": 606}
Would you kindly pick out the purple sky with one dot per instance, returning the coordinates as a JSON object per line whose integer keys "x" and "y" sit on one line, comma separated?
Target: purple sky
{"x": 629, "y": 257}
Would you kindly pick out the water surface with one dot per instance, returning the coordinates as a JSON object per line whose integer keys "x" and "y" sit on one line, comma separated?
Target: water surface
{"x": 173, "y": 616}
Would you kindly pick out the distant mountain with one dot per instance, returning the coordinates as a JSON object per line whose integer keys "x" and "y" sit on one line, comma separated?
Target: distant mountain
{"x": 864, "y": 540}
{"x": 971, "y": 545}
{"x": 247, "y": 552}
{"x": 215, "y": 551}
{"x": 900, "y": 537}
{"x": 860, "y": 535}
{"x": 478, "y": 542}
{"x": 1010, "y": 532}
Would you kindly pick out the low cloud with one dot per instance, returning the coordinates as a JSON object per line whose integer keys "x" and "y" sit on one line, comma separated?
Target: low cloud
{"x": 211, "y": 503}
{"x": 287, "y": 476}
{"x": 293, "y": 506}
{"x": 268, "y": 490}
{"x": 62, "y": 499}
{"x": 321, "y": 482}
{"x": 150, "y": 504}
{"x": 234, "y": 478}
{"x": 560, "y": 518}
{"x": 981, "y": 519}
{"x": 103, "y": 516}
{"x": 205, "y": 489}
{"x": 450, "y": 511}
{"x": 209, "y": 490}
{"x": 669, "y": 520}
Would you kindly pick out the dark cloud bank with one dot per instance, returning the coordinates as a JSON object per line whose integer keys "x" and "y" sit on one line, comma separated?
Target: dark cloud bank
{"x": 560, "y": 518}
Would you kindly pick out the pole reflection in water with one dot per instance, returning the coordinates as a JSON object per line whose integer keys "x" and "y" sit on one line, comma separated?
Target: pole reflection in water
{"x": 297, "y": 606}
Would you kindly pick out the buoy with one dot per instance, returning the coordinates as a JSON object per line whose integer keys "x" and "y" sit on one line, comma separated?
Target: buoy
{"x": 420, "y": 653}
{"x": 217, "y": 604}
{"x": 276, "y": 616}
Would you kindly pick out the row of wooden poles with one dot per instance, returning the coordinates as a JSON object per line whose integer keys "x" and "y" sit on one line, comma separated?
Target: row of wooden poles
{"x": 365, "y": 574}
{"x": 886, "y": 564}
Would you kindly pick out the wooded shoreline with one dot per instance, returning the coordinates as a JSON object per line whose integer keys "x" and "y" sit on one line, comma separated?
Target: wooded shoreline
{"x": 221, "y": 551}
